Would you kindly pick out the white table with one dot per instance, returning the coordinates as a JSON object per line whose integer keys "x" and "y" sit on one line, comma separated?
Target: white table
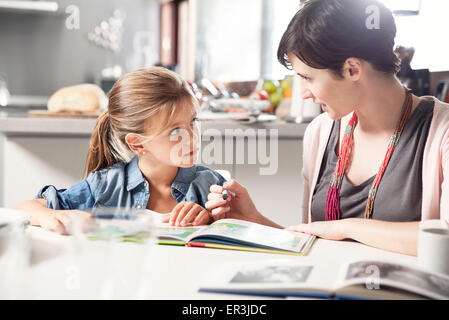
{"x": 176, "y": 272}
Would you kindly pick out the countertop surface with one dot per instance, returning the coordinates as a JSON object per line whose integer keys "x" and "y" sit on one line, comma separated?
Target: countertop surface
{"x": 19, "y": 124}
{"x": 55, "y": 257}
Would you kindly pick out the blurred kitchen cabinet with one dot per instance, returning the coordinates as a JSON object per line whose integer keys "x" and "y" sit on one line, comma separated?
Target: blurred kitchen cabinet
{"x": 29, "y": 163}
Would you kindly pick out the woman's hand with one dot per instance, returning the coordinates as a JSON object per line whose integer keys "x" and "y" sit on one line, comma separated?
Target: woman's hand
{"x": 238, "y": 205}
{"x": 330, "y": 230}
{"x": 60, "y": 221}
{"x": 189, "y": 212}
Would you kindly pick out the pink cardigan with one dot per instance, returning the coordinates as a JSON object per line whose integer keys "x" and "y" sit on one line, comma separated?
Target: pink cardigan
{"x": 435, "y": 175}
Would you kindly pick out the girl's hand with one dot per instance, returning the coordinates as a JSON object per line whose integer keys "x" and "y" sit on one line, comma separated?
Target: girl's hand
{"x": 60, "y": 221}
{"x": 330, "y": 230}
{"x": 189, "y": 212}
{"x": 236, "y": 206}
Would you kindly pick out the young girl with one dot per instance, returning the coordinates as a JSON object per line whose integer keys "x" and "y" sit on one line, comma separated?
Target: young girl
{"x": 142, "y": 154}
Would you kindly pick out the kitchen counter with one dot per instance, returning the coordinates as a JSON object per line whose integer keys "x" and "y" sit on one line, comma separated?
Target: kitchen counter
{"x": 14, "y": 125}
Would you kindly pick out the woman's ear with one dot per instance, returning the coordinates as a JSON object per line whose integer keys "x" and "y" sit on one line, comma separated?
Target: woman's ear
{"x": 353, "y": 69}
{"x": 134, "y": 143}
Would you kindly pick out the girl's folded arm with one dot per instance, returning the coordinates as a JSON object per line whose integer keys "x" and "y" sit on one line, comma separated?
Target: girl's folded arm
{"x": 50, "y": 207}
{"x": 35, "y": 208}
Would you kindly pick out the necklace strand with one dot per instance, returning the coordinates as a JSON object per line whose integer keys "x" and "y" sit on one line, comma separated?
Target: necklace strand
{"x": 333, "y": 195}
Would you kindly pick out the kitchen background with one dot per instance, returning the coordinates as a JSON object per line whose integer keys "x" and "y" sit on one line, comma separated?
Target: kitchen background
{"x": 225, "y": 48}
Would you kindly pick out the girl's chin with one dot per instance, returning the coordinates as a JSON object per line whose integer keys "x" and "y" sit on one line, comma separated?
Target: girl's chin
{"x": 187, "y": 162}
{"x": 186, "y": 165}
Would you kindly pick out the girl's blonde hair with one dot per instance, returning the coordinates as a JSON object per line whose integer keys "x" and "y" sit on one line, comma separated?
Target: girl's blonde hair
{"x": 144, "y": 97}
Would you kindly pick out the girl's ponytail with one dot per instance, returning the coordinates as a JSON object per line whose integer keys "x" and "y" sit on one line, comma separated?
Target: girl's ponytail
{"x": 101, "y": 152}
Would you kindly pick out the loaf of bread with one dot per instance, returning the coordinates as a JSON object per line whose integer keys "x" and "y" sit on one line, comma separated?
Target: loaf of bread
{"x": 83, "y": 98}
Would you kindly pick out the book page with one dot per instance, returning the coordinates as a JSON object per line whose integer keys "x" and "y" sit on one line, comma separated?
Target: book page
{"x": 165, "y": 231}
{"x": 252, "y": 234}
{"x": 273, "y": 278}
{"x": 379, "y": 277}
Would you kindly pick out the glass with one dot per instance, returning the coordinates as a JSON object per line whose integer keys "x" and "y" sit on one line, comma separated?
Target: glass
{"x": 111, "y": 253}
{"x": 14, "y": 253}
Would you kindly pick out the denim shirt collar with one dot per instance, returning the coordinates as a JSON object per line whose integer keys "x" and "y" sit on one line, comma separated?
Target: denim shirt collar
{"x": 134, "y": 176}
{"x": 182, "y": 181}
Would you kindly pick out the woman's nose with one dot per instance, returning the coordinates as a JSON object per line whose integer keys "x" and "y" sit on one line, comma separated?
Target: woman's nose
{"x": 306, "y": 94}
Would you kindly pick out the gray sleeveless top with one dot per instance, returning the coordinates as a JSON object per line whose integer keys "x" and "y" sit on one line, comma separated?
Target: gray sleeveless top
{"x": 400, "y": 191}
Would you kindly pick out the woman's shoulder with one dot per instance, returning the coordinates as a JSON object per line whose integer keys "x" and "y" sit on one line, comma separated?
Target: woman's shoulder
{"x": 319, "y": 124}
{"x": 317, "y": 134}
{"x": 439, "y": 128}
{"x": 441, "y": 110}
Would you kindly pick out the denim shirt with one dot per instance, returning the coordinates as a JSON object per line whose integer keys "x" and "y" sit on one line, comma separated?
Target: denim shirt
{"x": 123, "y": 185}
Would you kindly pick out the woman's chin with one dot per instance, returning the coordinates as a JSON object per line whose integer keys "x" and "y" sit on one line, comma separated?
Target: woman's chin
{"x": 332, "y": 114}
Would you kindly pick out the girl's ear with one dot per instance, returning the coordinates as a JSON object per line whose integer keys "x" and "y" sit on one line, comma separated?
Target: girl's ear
{"x": 352, "y": 69}
{"x": 134, "y": 143}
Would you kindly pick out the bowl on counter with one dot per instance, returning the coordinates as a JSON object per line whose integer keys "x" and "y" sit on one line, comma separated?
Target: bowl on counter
{"x": 242, "y": 88}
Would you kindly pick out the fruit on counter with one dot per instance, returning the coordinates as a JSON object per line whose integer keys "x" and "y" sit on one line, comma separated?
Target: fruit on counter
{"x": 287, "y": 83}
{"x": 276, "y": 98}
{"x": 286, "y": 86}
{"x": 270, "y": 86}
{"x": 260, "y": 95}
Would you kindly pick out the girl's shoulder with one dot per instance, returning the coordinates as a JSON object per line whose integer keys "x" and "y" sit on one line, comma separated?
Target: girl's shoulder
{"x": 107, "y": 177}
{"x": 115, "y": 169}
{"x": 209, "y": 174}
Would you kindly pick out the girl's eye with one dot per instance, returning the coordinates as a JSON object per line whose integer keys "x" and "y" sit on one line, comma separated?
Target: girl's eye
{"x": 195, "y": 121}
{"x": 175, "y": 132}
{"x": 305, "y": 78}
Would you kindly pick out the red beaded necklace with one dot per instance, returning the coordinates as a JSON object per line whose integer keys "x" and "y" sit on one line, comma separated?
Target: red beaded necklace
{"x": 333, "y": 195}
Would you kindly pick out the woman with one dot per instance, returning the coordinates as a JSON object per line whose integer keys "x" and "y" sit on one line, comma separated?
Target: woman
{"x": 376, "y": 163}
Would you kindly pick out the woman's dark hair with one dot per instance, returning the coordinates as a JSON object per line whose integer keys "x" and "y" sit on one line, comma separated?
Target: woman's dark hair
{"x": 325, "y": 33}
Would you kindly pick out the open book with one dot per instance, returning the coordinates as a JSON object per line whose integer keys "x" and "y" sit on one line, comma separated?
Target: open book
{"x": 238, "y": 235}
{"x": 355, "y": 280}
{"x": 222, "y": 234}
